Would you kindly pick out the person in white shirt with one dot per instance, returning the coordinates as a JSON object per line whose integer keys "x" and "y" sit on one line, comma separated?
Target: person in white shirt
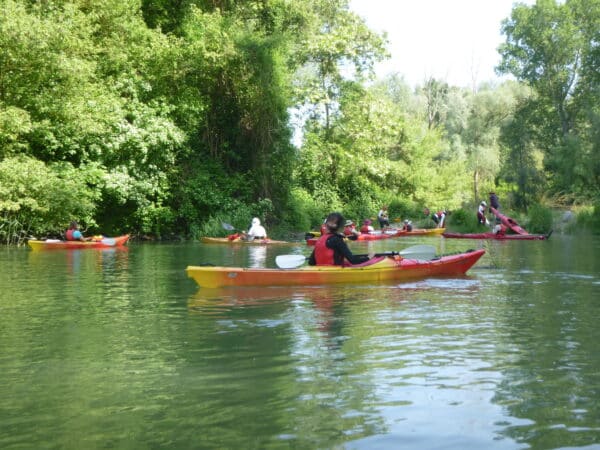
{"x": 256, "y": 231}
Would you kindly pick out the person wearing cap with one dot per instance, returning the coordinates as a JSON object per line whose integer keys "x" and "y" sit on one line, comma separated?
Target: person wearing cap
{"x": 331, "y": 249}
{"x": 481, "y": 219}
{"x": 382, "y": 217}
{"x": 350, "y": 230}
{"x": 73, "y": 233}
{"x": 367, "y": 227}
{"x": 407, "y": 225}
{"x": 256, "y": 231}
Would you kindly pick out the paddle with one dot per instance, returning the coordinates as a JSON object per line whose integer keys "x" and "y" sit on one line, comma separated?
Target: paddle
{"x": 414, "y": 252}
{"x": 227, "y": 226}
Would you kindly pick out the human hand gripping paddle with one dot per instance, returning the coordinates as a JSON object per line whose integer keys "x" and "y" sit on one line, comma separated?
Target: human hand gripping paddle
{"x": 426, "y": 252}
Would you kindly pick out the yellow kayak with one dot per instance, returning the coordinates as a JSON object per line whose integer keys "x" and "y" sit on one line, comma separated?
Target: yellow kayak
{"x": 215, "y": 240}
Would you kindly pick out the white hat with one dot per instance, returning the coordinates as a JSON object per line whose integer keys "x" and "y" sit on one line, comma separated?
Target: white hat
{"x": 256, "y": 221}
{"x": 483, "y": 204}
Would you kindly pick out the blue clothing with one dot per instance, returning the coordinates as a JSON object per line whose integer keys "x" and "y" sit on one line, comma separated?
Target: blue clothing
{"x": 77, "y": 235}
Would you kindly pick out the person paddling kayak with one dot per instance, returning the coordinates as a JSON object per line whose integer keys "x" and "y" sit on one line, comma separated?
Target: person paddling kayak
{"x": 73, "y": 233}
{"x": 330, "y": 249}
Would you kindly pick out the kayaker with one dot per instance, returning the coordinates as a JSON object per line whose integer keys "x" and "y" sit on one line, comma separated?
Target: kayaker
{"x": 256, "y": 231}
{"x": 367, "y": 227}
{"x": 350, "y": 230}
{"x": 73, "y": 233}
{"x": 500, "y": 229}
{"x": 382, "y": 217}
{"x": 407, "y": 225}
{"x": 330, "y": 249}
{"x": 481, "y": 219}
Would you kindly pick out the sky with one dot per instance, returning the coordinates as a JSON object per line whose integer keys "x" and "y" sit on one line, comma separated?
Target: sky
{"x": 451, "y": 40}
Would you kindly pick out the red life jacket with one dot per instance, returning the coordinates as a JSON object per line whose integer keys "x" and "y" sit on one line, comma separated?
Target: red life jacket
{"x": 364, "y": 229}
{"x": 323, "y": 254}
{"x": 69, "y": 235}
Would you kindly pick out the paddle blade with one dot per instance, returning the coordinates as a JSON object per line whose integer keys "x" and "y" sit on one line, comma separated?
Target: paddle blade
{"x": 227, "y": 226}
{"x": 419, "y": 252}
{"x": 289, "y": 261}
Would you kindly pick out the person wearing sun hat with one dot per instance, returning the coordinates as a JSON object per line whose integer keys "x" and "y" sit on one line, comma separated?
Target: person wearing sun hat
{"x": 350, "y": 230}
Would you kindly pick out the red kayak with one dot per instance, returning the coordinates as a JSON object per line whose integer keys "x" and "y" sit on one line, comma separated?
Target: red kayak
{"x": 372, "y": 236}
{"x": 499, "y": 237}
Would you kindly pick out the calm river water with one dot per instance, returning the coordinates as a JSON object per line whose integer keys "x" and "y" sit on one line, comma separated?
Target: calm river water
{"x": 118, "y": 349}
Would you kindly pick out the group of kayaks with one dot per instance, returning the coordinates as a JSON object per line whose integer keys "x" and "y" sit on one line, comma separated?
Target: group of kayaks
{"x": 383, "y": 268}
{"x": 393, "y": 266}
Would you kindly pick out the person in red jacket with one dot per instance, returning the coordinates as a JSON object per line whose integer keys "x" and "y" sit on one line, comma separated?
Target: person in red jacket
{"x": 331, "y": 249}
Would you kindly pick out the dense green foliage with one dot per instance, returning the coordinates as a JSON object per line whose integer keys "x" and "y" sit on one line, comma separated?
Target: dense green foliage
{"x": 159, "y": 117}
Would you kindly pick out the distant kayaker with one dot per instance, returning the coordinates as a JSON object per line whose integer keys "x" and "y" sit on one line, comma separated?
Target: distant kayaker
{"x": 382, "y": 217}
{"x": 73, "y": 233}
{"x": 407, "y": 225}
{"x": 367, "y": 227}
{"x": 481, "y": 219}
{"x": 330, "y": 249}
{"x": 350, "y": 230}
{"x": 256, "y": 231}
{"x": 500, "y": 229}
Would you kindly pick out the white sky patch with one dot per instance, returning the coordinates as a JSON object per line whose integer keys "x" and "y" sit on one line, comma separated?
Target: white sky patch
{"x": 452, "y": 40}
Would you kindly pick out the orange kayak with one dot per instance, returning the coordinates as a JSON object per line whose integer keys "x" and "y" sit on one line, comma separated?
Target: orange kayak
{"x": 378, "y": 269}
{"x": 55, "y": 244}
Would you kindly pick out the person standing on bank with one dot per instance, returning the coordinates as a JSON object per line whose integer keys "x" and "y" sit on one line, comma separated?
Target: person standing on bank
{"x": 481, "y": 219}
{"x": 382, "y": 217}
{"x": 494, "y": 203}
{"x": 330, "y": 249}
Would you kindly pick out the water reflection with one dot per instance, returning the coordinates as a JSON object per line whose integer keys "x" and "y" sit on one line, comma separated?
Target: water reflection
{"x": 257, "y": 256}
{"x": 118, "y": 347}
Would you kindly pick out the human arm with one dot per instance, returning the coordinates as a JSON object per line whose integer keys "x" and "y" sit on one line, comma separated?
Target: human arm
{"x": 341, "y": 251}
{"x": 312, "y": 261}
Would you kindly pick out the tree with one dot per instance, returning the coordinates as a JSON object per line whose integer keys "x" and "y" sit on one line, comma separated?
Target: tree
{"x": 552, "y": 47}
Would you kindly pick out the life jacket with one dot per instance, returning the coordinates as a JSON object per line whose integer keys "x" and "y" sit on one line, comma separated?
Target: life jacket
{"x": 69, "y": 235}
{"x": 349, "y": 230}
{"x": 324, "y": 254}
{"x": 364, "y": 229}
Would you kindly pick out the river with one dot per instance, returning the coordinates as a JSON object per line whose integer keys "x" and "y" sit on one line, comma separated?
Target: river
{"x": 119, "y": 349}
